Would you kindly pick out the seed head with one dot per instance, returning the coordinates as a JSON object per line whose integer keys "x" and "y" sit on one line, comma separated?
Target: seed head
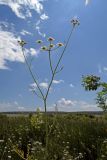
{"x": 22, "y": 43}
{"x": 75, "y": 22}
{"x": 60, "y": 44}
{"x": 51, "y": 39}
{"x": 39, "y": 41}
{"x": 44, "y": 48}
{"x": 52, "y": 45}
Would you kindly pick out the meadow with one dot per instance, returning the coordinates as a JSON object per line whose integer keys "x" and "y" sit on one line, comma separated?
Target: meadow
{"x": 70, "y": 137}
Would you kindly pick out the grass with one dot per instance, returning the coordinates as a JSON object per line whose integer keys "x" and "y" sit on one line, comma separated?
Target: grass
{"x": 70, "y": 137}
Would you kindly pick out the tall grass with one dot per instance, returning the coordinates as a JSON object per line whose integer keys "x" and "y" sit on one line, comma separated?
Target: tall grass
{"x": 70, "y": 137}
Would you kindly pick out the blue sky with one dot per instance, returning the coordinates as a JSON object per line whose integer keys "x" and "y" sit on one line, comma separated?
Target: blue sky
{"x": 86, "y": 54}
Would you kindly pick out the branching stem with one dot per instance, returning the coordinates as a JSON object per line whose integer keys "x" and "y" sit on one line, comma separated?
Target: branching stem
{"x": 33, "y": 77}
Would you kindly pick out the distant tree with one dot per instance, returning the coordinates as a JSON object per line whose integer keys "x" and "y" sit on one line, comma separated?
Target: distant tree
{"x": 92, "y": 83}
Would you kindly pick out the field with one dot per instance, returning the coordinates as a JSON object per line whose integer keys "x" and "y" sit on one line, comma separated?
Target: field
{"x": 70, "y": 137}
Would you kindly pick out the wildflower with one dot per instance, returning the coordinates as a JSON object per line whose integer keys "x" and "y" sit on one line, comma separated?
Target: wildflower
{"x": 103, "y": 156}
{"x": 67, "y": 147}
{"x": 29, "y": 144}
{"x": 51, "y": 39}
{"x": 9, "y": 157}
{"x": 105, "y": 141}
{"x": 44, "y": 48}
{"x": 1, "y": 140}
{"x": 39, "y": 41}
{"x": 75, "y": 22}
{"x": 60, "y": 44}
{"x": 22, "y": 43}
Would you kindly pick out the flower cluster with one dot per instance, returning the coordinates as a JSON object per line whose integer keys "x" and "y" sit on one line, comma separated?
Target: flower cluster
{"x": 75, "y": 22}
{"x": 44, "y": 48}
{"x": 51, "y": 39}
{"x": 39, "y": 41}
{"x": 51, "y": 45}
{"x": 22, "y": 43}
{"x": 60, "y": 44}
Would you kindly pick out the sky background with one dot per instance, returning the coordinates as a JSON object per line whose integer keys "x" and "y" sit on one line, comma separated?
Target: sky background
{"x": 86, "y": 54}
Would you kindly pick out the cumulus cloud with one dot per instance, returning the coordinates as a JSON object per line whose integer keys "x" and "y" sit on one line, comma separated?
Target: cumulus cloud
{"x": 66, "y": 102}
{"x": 14, "y": 107}
{"x": 58, "y": 81}
{"x": 10, "y": 50}
{"x": 69, "y": 105}
{"x": 44, "y": 17}
{"x": 43, "y": 85}
{"x": 22, "y": 7}
{"x": 32, "y": 51}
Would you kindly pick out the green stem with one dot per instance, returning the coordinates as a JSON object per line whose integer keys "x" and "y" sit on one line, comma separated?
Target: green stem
{"x": 64, "y": 49}
{"x": 46, "y": 128}
{"x": 50, "y": 61}
{"x": 33, "y": 77}
{"x": 54, "y": 72}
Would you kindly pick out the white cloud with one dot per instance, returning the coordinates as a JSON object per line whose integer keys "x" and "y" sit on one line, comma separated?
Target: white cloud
{"x": 14, "y": 107}
{"x": 38, "y": 28}
{"x": 21, "y": 108}
{"x": 87, "y": 2}
{"x": 69, "y": 105}
{"x": 24, "y": 32}
{"x": 33, "y": 52}
{"x": 43, "y": 85}
{"x": 5, "y": 26}
{"x": 66, "y": 105}
{"x": 10, "y": 49}
{"x": 65, "y": 102}
{"x": 44, "y": 17}
{"x": 58, "y": 81}
{"x": 22, "y": 7}
{"x": 32, "y": 87}
{"x": 105, "y": 68}
{"x": 39, "y": 32}
{"x": 71, "y": 85}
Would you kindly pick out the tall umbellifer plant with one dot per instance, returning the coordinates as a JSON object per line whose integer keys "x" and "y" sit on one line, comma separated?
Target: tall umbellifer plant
{"x": 55, "y": 69}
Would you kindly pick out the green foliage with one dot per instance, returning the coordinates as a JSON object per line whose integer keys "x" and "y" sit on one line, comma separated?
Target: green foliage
{"x": 37, "y": 120}
{"x": 101, "y": 101}
{"x": 71, "y": 137}
{"x": 92, "y": 82}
